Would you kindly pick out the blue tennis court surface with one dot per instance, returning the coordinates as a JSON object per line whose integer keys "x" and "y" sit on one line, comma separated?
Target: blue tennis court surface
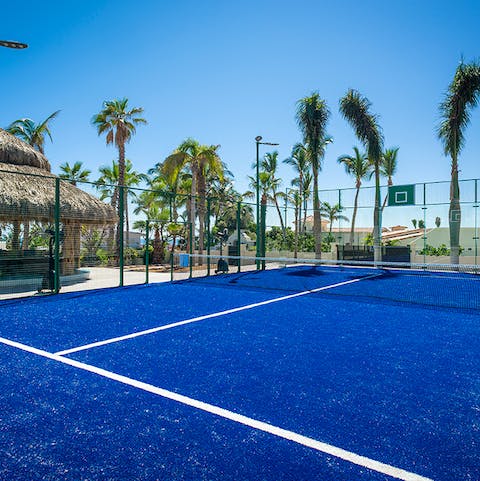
{"x": 303, "y": 375}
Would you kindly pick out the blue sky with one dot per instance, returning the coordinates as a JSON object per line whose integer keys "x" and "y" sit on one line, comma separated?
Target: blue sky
{"x": 224, "y": 72}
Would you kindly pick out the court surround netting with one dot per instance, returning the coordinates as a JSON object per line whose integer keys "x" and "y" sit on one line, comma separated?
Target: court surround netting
{"x": 434, "y": 285}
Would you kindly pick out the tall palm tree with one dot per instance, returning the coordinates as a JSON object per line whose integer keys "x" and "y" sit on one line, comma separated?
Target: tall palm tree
{"x": 270, "y": 165}
{"x": 312, "y": 117}
{"x": 388, "y": 168}
{"x": 74, "y": 173}
{"x": 332, "y": 213}
{"x": 463, "y": 94}
{"x": 32, "y": 133}
{"x": 301, "y": 163}
{"x": 199, "y": 159}
{"x": 119, "y": 124}
{"x": 356, "y": 110}
{"x": 359, "y": 166}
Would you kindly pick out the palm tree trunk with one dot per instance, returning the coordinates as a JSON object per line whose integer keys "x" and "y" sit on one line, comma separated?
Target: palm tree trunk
{"x": 377, "y": 248}
{"x": 354, "y": 215}
{"x": 157, "y": 247}
{"x": 297, "y": 227}
{"x": 454, "y": 214}
{"x": 390, "y": 183}
{"x": 201, "y": 215}
{"x": 317, "y": 221}
{"x": 279, "y": 215}
{"x": 193, "y": 213}
{"x": 300, "y": 190}
{"x": 121, "y": 182}
{"x": 127, "y": 223}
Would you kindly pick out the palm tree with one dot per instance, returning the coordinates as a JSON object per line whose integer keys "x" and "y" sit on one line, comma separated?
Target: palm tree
{"x": 388, "y": 168}
{"x": 119, "y": 124}
{"x": 312, "y": 116}
{"x": 306, "y": 195}
{"x": 74, "y": 173}
{"x": 359, "y": 166}
{"x": 108, "y": 186}
{"x": 356, "y": 110}
{"x": 32, "y": 133}
{"x": 300, "y": 162}
{"x": 199, "y": 159}
{"x": 332, "y": 213}
{"x": 462, "y": 95}
{"x": 270, "y": 165}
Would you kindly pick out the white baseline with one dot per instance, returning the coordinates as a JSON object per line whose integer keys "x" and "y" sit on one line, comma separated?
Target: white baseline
{"x": 207, "y": 316}
{"x": 329, "y": 449}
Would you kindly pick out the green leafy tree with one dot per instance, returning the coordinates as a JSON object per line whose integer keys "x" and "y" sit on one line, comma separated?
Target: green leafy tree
{"x": 109, "y": 181}
{"x": 270, "y": 165}
{"x": 74, "y": 173}
{"x": 388, "y": 168}
{"x": 356, "y": 110}
{"x": 32, "y": 133}
{"x": 118, "y": 123}
{"x": 358, "y": 166}
{"x": 199, "y": 159}
{"x": 300, "y": 162}
{"x": 332, "y": 213}
{"x": 312, "y": 116}
{"x": 461, "y": 97}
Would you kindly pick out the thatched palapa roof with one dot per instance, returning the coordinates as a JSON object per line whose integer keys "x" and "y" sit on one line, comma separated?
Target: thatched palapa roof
{"x": 16, "y": 152}
{"x": 27, "y": 189}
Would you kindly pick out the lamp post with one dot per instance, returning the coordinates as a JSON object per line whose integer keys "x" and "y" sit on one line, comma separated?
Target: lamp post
{"x": 258, "y": 142}
{"x": 11, "y": 44}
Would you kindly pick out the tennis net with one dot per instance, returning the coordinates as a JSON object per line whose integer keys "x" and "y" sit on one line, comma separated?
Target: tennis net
{"x": 435, "y": 285}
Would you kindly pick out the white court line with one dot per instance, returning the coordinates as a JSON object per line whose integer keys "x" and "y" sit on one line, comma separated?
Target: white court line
{"x": 232, "y": 416}
{"x": 207, "y": 316}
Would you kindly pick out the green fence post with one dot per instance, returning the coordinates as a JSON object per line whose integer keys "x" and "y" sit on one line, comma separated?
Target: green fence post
{"x": 475, "y": 206}
{"x": 208, "y": 236}
{"x": 424, "y": 208}
{"x": 190, "y": 247}
{"x": 56, "y": 278}
{"x": 147, "y": 252}
{"x": 263, "y": 215}
{"x": 239, "y": 236}
{"x": 121, "y": 213}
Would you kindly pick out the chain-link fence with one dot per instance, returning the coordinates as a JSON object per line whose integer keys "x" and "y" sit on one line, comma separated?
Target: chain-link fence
{"x": 59, "y": 236}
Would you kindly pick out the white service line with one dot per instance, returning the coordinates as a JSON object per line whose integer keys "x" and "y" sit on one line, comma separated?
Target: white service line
{"x": 207, "y": 316}
{"x": 353, "y": 458}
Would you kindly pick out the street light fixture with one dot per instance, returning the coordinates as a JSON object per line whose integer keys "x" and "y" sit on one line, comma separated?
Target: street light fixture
{"x": 258, "y": 141}
{"x": 11, "y": 44}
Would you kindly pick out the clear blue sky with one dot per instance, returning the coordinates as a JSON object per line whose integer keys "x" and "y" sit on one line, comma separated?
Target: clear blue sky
{"x": 224, "y": 72}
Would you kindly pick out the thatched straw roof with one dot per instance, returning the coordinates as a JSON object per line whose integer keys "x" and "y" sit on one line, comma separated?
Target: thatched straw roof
{"x": 27, "y": 189}
{"x": 16, "y": 152}
{"x": 28, "y": 193}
